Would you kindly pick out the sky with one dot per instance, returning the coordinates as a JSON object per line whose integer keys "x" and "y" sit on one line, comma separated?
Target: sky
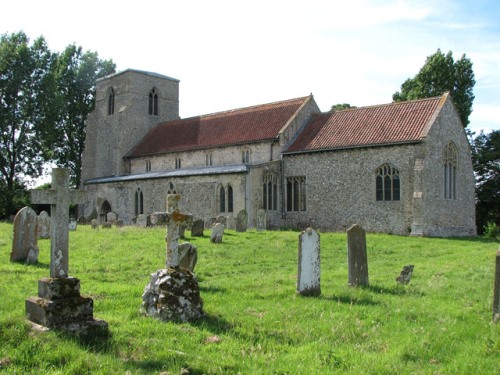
{"x": 233, "y": 54}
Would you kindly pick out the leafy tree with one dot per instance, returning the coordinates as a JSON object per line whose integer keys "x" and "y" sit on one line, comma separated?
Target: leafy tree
{"x": 486, "y": 159}
{"x": 75, "y": 75}
{"x": 341, "y": 106}
{"x": 25, "y": 81}
{"x": 439, "y": 75}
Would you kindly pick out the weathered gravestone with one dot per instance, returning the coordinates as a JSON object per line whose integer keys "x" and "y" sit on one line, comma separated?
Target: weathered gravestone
{"x": 158, "y": 218}
{"x": 405, "y": 275}
{"x": 357, "y": 260}
{"x": 242, "y": 221}
{"x": 261, "y": 219}
{"x": 25, "y": 240}
{"x": 111, "y": 217}
{"x": 309, "y": 264}
{"x": 188, "y": 256}
{"x": 141, "y": 221}
{"x": 94, "y": 224}
{"x": 59, "y": 304}
{"x": 221, "y": 219}
{"x": 72, "y": 224}
{"x": 43, "y": 221}
{"x": 217, "y": 233}
{"x": 197, "y": 228}
{"x": 496, "y": 289}
{"x": 81, "y": 220}
{"x": 231, "y": 222}
{"x": 173, "y": 293}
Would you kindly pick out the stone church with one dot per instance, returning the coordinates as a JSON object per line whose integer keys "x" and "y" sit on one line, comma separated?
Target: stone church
{"x": 402, "y": 168}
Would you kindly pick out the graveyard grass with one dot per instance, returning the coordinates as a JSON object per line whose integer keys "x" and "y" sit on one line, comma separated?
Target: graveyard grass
{"x": 255, "y": 323}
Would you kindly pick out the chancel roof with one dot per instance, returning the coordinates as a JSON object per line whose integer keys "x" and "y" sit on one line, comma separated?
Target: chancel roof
{"x": 239, "y": 126}
{"x": 402, "y": 122}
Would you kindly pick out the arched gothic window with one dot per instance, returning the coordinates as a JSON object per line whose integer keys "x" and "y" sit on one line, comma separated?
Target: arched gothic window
{"x": 111, "y": 102}
{"x": 139, "y": 202}
{"x": 450, "y": 171}
{"x": 153, "y": 103}
{"x": 222, "y": 199}
{"x": 105, "y": 208}
{"x": 171, "y": 189}
{"x": 388, "y": 185}
{"x": 296, "y": 193}
{"x": 270, "y": 192}
{"x": 229, "y": 198}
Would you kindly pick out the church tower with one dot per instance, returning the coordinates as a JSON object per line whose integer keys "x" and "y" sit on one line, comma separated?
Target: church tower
{"x": 128, "y": 104}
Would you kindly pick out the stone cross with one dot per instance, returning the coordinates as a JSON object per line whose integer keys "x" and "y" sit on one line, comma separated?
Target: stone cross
{"x": 59, "y": 197}
{"x": 175, "y": 220}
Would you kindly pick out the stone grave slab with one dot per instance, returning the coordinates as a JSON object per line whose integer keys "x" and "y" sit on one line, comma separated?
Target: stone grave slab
{"x": 309, "y": 264}
{"x": 357, "y": 260}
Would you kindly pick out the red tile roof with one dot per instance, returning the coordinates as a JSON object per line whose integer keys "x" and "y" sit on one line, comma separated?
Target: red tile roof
{"x": 393, "y": 123}
{"x": 245, "y": 125}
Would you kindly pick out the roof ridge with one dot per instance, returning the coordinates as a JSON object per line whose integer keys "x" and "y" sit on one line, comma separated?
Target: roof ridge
{"x": 387, "y": 104}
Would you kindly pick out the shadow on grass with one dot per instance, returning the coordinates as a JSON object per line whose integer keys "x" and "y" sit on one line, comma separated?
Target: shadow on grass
{"x": 213, "y": 323}
{"x": 212, "y": 289}
{"x": 351, "y": 300}
{"x": 100, "y": 343}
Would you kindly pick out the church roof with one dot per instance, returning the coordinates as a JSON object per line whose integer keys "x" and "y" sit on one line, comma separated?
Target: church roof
{"x": 238, "y": 126}
{"x": 395, "y": 123}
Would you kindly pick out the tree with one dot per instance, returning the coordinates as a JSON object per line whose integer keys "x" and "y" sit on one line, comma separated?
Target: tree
{"x": 25, "y": 81}
{"x": 439, "y": 75}
{"x": 486, "y": 159}
{"x": 75, "y": 75}
{"x": 341, "y": 106}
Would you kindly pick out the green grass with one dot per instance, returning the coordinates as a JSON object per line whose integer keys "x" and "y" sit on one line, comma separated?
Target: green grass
{"x": 440, "y": 323}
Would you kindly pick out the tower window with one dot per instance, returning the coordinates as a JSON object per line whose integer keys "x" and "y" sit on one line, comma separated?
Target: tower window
{"x": 450, "y": 171}
{"x": 153, "y": 103}
{"x": 111, "y": 102}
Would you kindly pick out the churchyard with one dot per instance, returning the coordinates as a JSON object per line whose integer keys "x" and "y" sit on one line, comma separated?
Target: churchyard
{"x": 255, "y": 321}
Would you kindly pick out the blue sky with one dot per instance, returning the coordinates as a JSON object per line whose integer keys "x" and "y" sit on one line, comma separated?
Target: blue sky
{"x": 231, "y": 54}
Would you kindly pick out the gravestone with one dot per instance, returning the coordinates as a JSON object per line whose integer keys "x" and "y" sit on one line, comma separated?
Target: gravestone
{"x": 93, "y": 215}
{"x": 261, "y": 219}
{"x": 106, "y": 225}
{"x": 231, "y": 222}
{"x": 111, "y": 217}
{"x": 309, "y": 264}
{"x": 221, "y": 219}
{"x": 172, "y": 293}
{"x": 405, "y": 275}
{"x": 357, "y": 260}
{"x": 25, "y": 239}
{"x": 119, "y": 223}
{"x": 242, "y": 221}
{"x": 59, "y": 304}
{"x": 141, "y": 221}
{"x": 81, "y": 220}
{"x": 197, "y": 228}
{"x": 72, "y": 224}
{"x": 43, "y": 222}
{"x": 94, "y": 224}
{"x": 217, "y": 233}
{"x": 496, "y": 289}
{"x": 158, "y": 218}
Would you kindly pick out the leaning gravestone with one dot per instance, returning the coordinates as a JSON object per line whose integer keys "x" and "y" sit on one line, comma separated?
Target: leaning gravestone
{"x": 242, "y": 221}
{"x": 172, "y": 293}
{"x": 188, "y": 256}
{"x": 309, "y": 264}
{"x": 217, "y": 233}
{"x": 43, "y": 221}
{"x": 357, "y": 260}
{"x": 261, "y": 219}
{"x": 496, "y": 292}
{"x": 197, "y": 228}
{"x": 59, "y": 304}
{"x": 25, "y": 240}
{"x": 405, "y": 275}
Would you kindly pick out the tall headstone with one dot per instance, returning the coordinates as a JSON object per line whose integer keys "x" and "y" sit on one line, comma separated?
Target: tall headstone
{"x": 43, "y": 221}
{"x": 25, "y": 240}
{"x": 59, "y": 304}
{"x": 309, "y": 264}
{"x": 357, "y": 260}
{"x": 242, "y": 221}
{"x": 261, "y": 219}
{"x": 496, "y": 293}
{"x": 197, "y": 228}
{"x": 217, "y": 233}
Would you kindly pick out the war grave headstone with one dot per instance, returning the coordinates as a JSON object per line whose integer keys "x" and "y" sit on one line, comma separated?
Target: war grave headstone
{"x": 172, "y": 293}
{"x": 59, "y": 304}
{"x": 217, "y": 233}
{"x": 197, "y": 228}
{"x": 261, "y": 219}
{"x": 242, "y": 221}
{"x": 309, "y": 264}
{"x": 43, "y": 222}
{"x": 405, "y": 275}
{"x": 496, "y": 289}
{"x": 25, "y": 239}
{"x": 357, "y": 260}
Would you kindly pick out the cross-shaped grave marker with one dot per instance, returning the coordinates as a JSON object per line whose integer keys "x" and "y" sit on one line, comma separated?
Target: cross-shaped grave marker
{"x": 59, "y": 197}
{"x": 174, "y": 220}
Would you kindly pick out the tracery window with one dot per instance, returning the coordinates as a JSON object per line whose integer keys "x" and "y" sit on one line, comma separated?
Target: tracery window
{"x": 139, "y": 202}
{"x": 171, "y": 189}
{"x": 153, "y": 103}
{"x": 296, "y": 193}
{"x": 270, "y": 192}
{"x": 450, "y": 171}
{"x": 111, "y": 102}
{"x": 388, "y": 184}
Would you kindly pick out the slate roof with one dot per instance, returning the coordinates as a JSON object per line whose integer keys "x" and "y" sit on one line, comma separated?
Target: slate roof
{"x": 403, "y": 122}
{"x": 239, "y": 126}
